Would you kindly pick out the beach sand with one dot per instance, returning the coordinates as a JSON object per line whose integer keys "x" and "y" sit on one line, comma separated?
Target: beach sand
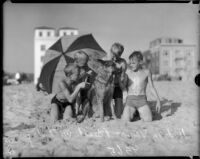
{"x": 28, "y": 132}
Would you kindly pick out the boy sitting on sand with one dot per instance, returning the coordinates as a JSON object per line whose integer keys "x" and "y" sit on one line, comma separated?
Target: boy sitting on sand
{"x": 138, "y": 78}
{"x": 63, "y": 102}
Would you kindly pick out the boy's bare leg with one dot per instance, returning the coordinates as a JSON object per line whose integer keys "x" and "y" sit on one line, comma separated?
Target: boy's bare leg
{"x": 145, "y": 113}
{"x": 128, "y": 113}
{"x": 54, "y": 112}
{"x": 77, "y": 104}
{"x": 68, "y": 113}
{"x": 112, "y": 109}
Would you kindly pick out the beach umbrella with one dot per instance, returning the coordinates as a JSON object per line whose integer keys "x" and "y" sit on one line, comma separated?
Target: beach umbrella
{"x": 62, "y": 53}
{"x": 54, "y": 62}
{"x": 88, "y": 44}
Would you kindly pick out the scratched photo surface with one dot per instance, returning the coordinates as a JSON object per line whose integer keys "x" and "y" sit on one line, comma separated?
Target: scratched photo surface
{"x": 168, "y": 33}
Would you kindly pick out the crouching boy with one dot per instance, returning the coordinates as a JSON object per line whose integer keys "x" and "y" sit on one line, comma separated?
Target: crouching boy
{"x": 62, "y": 104}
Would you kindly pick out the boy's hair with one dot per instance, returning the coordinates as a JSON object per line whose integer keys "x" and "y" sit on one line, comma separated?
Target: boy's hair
{"x": 137, "y": 54}
{"x": 119, "y": 46}
{"x": 81, "y": 54}
{"x": 71, "y": 69}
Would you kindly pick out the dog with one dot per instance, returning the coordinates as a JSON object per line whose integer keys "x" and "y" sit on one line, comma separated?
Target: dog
{"x": 99, "y": 91}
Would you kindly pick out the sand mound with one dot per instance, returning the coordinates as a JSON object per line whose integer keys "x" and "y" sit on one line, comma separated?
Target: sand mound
{"x": 28, "y": 132}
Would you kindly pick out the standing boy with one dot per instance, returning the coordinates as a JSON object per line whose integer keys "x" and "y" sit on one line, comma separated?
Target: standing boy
{"x": 138, "y": 78}
{"x": 119, "y": 77}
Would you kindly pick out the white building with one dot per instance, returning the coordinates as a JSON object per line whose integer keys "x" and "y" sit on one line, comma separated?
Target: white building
{"x": 171, "y": 56}
{"x": 43, "y": 39}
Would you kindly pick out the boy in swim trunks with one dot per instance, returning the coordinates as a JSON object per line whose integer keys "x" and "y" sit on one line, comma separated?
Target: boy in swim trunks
{"x": 63, "y": 102}
{"x": 138, "y": 78}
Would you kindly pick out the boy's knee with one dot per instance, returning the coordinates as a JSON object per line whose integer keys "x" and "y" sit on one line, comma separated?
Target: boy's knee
{"x": 125, "y": 118}
{"x": 68, "y": 113}
{"x": 54, "y": 112}
{"x": 125, "y": 114}
{"x": 145, "y": 113}
{"x": 149, "y": 119}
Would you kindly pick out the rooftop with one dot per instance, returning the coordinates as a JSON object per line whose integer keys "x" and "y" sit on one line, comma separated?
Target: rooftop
{"x": 44, "y": 27}
{"x": 165, "y": 40}
{"x": 68, "y": 28}
{"x": 181, "y": 44}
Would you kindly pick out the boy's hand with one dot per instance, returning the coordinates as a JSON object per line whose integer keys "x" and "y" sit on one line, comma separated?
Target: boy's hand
{"x": 89, "y": 72}
{"x": 82, "y": 85}
{"x": 158, "y": 106}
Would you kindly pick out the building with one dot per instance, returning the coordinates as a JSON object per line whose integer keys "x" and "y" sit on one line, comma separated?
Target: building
{"x": 43, "y": 39}
{"x": 170, "y": 56}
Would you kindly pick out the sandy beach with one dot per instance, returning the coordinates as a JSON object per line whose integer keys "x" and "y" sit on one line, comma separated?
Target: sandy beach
{"x": 28, "y": 132}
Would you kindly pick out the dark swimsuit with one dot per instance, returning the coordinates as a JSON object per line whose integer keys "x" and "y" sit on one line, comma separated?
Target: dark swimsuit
{"x": 117, "y": 90}
{"x": 61, "y": 104}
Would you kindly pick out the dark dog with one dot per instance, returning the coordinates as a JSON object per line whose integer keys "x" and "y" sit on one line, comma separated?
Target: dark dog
{"x": 100, "y": 89}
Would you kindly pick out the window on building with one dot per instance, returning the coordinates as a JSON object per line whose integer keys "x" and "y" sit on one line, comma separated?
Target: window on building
{"x": 71, "y": 33}
{"x": 64, "y": 34}
{"x": 165, "y": 53}
{"x": 40, "y": 33}
{"x": 42, "y": 47}
{"x": 48, "y": 33}
{"x": 170, "y": 40}
{"x": 180, "y": 41}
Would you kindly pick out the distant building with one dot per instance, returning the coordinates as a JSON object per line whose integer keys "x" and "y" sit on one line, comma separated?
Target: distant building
{"x": 44, "y": 38}
{"x": 172, "y": 57}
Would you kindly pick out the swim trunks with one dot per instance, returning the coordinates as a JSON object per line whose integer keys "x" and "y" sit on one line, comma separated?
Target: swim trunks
{"x": 117, "y": 92}
{"x": 61, "y": 105}
{"x": 136, "y": 101}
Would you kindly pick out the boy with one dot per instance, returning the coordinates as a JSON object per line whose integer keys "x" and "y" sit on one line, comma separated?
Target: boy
{"x": 63, "y": 101}
{"x": 81, "y": 60}
{"x": 119, "y": 77}
{"x": 138, "y": 78}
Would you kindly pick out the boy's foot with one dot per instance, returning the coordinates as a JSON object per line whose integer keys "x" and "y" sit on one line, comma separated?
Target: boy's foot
{"x": 107, "y": 118}
{"x": 80, "y": 118}
{"x": 114, "y": 117}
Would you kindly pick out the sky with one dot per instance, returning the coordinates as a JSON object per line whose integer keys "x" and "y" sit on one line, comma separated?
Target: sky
{"x": 132, "y": 24}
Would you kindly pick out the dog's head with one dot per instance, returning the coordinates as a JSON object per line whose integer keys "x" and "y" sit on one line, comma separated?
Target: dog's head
{"x": 109, "y": 65}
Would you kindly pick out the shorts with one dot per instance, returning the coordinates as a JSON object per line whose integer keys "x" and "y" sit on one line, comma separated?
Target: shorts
{"x": 117, "y": 92}
{"x": 136, "y": 101}
{"x": 61, "y": 105}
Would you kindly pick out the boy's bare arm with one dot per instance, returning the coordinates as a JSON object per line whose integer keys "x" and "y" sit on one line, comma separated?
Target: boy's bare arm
{"x": 71, "y": 97}
{"x": 153, "y": 90}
